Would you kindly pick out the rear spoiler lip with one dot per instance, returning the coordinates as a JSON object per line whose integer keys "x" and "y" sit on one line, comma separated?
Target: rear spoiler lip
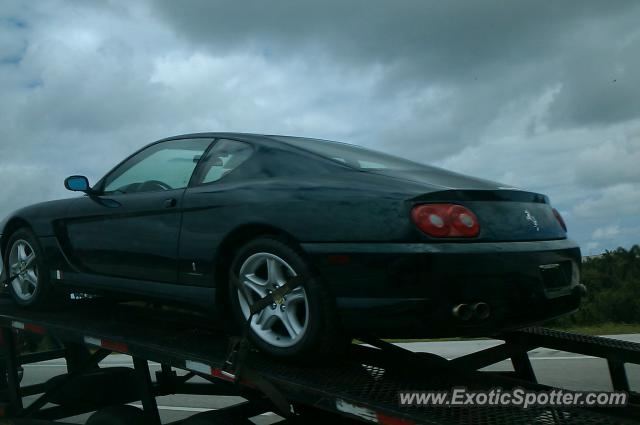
{"x": 498, "y": 195}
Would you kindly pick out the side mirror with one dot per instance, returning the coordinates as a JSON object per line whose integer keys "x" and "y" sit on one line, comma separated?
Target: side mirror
{"x": 77, "y": 184}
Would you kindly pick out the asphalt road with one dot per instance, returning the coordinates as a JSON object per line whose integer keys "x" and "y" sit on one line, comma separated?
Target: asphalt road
{"x": 552, "y": 367}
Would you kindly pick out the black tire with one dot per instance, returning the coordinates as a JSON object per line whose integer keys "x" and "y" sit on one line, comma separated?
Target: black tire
{"x": 43, "y": 290}
{"x": 323, "y": 335}
{"x": 118, "y": 415}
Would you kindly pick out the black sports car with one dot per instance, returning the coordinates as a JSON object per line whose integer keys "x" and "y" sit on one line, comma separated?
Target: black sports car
{"x": 381, "y": 245}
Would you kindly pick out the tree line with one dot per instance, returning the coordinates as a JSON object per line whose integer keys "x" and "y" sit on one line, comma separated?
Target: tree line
{"x": 613, "y": 283}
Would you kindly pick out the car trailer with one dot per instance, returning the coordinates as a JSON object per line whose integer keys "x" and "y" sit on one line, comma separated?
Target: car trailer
{"x": 361, "y": 386}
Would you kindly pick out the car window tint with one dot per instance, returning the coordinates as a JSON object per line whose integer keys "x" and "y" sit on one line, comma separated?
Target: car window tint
{"x": 351, "y": 155}
{"x": 164, "y": 166}
{"x": 223, "y": 157}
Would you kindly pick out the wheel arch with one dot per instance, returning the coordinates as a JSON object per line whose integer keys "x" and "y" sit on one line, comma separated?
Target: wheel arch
{"x": 232, "y": 242}
{"x": 13, "y": 224}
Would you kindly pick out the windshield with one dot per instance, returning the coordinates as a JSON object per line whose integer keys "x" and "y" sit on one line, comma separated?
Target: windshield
{"x": 351, "y": 155}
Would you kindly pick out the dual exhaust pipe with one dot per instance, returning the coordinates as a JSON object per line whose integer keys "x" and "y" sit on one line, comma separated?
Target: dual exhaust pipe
{"x": 479, "y": 311}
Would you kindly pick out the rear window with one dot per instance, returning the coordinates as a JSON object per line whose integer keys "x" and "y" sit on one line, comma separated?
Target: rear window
{"x": 353, "y": 156}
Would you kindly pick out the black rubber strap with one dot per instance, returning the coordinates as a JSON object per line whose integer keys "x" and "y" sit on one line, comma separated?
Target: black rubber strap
{"x": 240, "y": 347}
{"x": 275, "y": 297}
{"x": 9, "y": 279}
{"x": 270, "y": 391}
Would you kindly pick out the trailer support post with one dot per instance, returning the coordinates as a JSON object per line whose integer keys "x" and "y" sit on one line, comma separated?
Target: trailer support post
{"x": 618, "y": 375}
{"x": 145, "y": 388}
{"x": 522, "y": 367}
{"x": 12, "y": 365}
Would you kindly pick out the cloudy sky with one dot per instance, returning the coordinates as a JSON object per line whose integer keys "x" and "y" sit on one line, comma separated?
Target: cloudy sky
{"x": 542, "y": 95}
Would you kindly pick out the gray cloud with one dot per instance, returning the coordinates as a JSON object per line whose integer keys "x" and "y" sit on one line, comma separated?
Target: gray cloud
{"x": 514, "y": 48}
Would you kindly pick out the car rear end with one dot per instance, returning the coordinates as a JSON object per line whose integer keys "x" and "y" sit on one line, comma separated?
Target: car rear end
{"x": 440, "y": 253}
{"x": 505, "y": 259}
{"x": 477, "y": 262}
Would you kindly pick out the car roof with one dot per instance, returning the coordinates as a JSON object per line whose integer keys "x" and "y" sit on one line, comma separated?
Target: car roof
{"x": 249, "y": 137}
{"x": 282, "y": 141}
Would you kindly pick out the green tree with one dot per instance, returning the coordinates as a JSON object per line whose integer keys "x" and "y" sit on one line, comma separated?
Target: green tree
{"x": 613, "y": 283}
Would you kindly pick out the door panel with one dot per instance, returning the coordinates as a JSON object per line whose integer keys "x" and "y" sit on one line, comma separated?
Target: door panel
{"x": 133, "y": 235}
{"x": 207, "y": 217}
{"x": 131, "y": 227}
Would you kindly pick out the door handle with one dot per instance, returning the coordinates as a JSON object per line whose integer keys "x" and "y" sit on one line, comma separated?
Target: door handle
{"x": 170, "y": 203}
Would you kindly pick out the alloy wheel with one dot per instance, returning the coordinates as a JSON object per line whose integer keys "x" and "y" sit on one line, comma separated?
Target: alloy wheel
{"x": 22, "y": 265}
{"x": 285, "y": 322}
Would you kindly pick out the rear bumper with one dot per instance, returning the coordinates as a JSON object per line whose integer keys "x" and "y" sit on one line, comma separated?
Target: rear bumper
{"x": 410, "y": 290}
{"x": 435, "y": 248}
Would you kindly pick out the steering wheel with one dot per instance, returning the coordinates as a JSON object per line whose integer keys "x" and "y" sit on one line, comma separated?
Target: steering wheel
{"x": 150, "y": 185}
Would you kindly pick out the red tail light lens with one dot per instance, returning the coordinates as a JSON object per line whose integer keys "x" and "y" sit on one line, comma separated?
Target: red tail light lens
{"x": 446, "y": 220}
{"x": 560, "y": 219}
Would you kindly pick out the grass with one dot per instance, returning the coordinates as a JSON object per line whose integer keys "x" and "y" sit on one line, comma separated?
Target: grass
{"x": 604, "y": 329}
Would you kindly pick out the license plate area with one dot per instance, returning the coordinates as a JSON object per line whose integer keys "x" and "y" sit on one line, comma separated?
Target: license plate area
{"x": 556, "y": 278}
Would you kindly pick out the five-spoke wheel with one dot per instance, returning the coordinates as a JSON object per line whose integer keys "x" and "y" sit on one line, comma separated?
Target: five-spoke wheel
{"x": 26, "y": 268}
{"x": 23, "y": 268}
{"x": 302, "y": 323}
{"x": 285, "y": 321}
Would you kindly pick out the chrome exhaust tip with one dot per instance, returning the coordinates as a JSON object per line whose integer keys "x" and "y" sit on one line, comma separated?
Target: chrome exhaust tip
{"x": 481, "y": 310}
{"x": 462, "y": 311}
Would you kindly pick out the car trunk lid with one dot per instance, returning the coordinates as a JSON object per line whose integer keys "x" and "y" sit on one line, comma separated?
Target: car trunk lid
{"x": 504, "y": 214}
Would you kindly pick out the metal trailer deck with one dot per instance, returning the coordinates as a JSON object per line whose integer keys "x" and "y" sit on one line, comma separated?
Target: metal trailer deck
{"x": 360, "y": 386}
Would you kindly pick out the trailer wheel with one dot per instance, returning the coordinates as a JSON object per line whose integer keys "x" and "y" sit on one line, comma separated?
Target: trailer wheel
{"x": 25, "y": 260}
{"x": 303, "y": 324}
{"x": 118, "y": 415}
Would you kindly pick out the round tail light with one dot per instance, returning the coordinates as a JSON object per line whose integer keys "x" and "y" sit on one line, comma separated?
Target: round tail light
{"x": 446, "y": 220}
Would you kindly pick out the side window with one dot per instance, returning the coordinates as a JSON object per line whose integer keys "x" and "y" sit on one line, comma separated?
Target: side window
{"x": 223, "y": 157}
{"x": 163, "y": 166}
